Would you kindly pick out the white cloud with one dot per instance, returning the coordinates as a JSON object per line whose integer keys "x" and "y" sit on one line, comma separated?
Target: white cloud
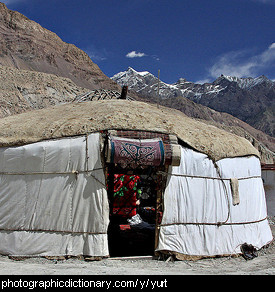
{"x": 155, "y": 57}
{"x": 202, "y": 81}
{"x": 135, "y": 54}
{"x": 240, "y": 64}
{"x": 96, "y": 55}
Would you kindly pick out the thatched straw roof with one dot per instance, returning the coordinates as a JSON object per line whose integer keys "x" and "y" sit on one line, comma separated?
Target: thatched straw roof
{"x": 81, "y": 118}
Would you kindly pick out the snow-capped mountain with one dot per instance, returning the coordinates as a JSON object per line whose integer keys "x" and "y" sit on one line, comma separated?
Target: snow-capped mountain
{"x": 145, "y": 83}
{"x": 249, "y": 83}
{"x": 249, "y": 99}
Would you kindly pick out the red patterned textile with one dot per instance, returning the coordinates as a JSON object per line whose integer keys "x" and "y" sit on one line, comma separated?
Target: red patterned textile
{"x": 133, "y": 153}
{"x": 125, "y": 195}
{"x": 142, "y": 135}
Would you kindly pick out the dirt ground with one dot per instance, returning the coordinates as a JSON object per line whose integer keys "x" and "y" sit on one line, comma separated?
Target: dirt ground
{"x": 261, "y": 265}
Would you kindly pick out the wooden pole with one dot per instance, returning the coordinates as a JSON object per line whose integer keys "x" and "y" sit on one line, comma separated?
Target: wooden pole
{"x": 161, "y": 184}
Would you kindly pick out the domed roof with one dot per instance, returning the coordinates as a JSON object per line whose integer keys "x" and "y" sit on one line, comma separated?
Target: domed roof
{"x": 81, "y": 118}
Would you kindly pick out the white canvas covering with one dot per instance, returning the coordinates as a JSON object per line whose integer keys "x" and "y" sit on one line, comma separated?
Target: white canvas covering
{"x": 46, "y": 207}
{"x": 53, "y": 201}
{"x": 195, "y": 200}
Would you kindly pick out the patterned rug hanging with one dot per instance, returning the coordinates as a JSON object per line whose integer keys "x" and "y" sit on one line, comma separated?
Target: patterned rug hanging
{"x": 135, "y": 153}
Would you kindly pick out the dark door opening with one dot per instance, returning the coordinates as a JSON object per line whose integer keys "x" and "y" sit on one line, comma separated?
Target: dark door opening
{"x": 132, "y": 196}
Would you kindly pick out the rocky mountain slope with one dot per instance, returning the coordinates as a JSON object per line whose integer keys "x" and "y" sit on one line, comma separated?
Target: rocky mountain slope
{"x": 24, "y": 44}
{"x": 23, "y": 90}
{"x": 263, "y": 142}
{"x": 249, "y": 99}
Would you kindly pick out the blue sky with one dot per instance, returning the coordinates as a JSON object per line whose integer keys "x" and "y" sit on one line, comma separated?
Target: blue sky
{"x": 194, "y": 39}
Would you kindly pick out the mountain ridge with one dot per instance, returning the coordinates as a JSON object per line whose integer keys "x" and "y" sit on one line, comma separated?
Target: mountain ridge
{"x": 244, "y": 98}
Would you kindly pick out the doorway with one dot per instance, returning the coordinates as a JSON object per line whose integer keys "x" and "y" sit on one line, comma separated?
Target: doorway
{"x": 132, "y": 197}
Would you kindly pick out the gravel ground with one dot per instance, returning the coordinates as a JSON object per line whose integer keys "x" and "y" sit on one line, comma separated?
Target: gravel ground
{"x": 261, "y": 265}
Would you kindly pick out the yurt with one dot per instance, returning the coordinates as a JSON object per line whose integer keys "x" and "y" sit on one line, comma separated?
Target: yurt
{"x": 119, "y": 177}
